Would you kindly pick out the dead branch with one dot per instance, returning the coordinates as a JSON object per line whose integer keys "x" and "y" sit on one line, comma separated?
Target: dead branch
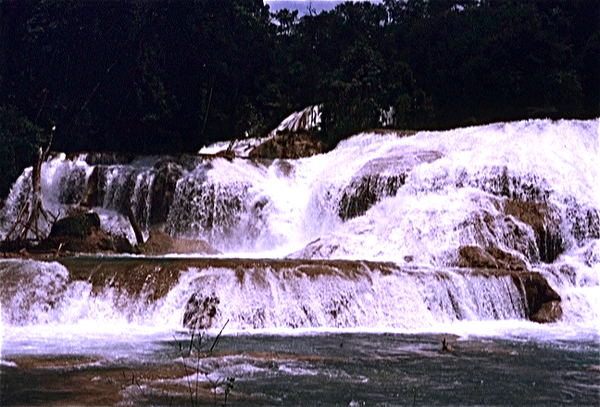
{"x": 34, "y": 204}
{"x": 10, "y": 232}
{"x": 139, "y": 237}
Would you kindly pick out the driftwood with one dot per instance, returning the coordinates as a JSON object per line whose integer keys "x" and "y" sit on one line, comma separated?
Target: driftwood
{"x": 34, "y": 204}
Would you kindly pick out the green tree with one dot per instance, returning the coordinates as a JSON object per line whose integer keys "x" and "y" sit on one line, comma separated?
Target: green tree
{"x": 354, "y": 94}
{"x": 20, "y": 140}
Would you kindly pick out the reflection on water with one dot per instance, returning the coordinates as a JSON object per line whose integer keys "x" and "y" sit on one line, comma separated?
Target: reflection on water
{"x": 335, "y": 369}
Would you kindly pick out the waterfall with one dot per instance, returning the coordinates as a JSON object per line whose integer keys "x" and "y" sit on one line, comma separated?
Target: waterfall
{"x": 252, "y": 294}
{"x": 376, "y": 196}
{"x": 411, "y": 205}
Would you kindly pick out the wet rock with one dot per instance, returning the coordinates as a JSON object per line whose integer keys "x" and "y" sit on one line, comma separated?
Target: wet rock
{"x": 500, "y": 181}
{"x": 364, "y": 192}
{"x": 545, "y": 221}
{"x": 380, "y": 178}
{"x": 550, "y": 311}
{"x": 584, "y": 221}
{"x": 200, "y": 311}
{"x": 163, "y": 191}
{"x": 591, "y": 255}
{"x": 208, "y": 208}
{"x": 78, "y": 225}
{"x": 100, "y": 158}
{"x": 82, "y": 232}
{"x": 507, "y": 260}
{"x": 160, "y": 243}
{"x": 538, "y": 294}
{"x": 72, "y": 186}
{"x": 491, "y": 257}
{"x": 476, "y": 257}
{"x": 318, "y": 249}
{"x": 288, "y": 146}
{"x": 91, "y": 196}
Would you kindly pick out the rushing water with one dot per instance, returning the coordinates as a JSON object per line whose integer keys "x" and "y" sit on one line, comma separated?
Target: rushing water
{"x": 340, "y": 275}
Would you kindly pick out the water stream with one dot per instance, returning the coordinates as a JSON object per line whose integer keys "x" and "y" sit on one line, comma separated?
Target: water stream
{"x": 338, "y": 278}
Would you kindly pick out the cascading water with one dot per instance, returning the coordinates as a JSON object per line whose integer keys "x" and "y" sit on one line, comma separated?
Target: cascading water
{"x": 253, "y": 294}
{"x": 413, "y": 200}
{"x": 472, "y": 232}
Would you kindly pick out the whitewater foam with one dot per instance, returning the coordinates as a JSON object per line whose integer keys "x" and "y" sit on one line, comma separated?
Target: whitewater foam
{"x": 272, "y": 209}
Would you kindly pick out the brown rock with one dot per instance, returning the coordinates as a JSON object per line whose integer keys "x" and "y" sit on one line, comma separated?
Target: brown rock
{"x": 288, "y": 146}
{"x": 506, "y": 260}
{"x": 491, "y": 257}
{"x": 545, "y": 221}
{"x": 550, "y": 311}
{"x": 82, "y": 233}
{"x": 476, "y": 257}
{"x": 159, "y": 243}
{"x": 537, "y": 294}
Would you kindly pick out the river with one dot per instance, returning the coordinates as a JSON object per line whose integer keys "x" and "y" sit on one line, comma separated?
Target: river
{"x": 339, "y": 277}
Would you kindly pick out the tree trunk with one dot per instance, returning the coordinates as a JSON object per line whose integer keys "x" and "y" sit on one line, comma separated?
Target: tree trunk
{"x": 135, "y": 225}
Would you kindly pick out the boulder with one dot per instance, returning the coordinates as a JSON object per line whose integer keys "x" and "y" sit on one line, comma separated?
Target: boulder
{"x": 288, "y": 146}
{"x": 160, "y": 243}
{"x": 550, "y": 311}
{"x": 490, "y": 257}
{"x": 78, "y": 225}
{"x": 364, "y": 192}
{"x": 163, "y": 191}
{"x": 476, "y": 257}
{"x": 82, "y": 232}
{"x": 545, "y": 221}
{"x": 543, "y": 303}
{"x": 380, "y": 178}
{"x": 200, "y": 311}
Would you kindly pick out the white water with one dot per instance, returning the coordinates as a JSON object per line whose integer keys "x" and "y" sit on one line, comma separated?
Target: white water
{"x": 251, "y": 209}
{"x": 248, "y": 209}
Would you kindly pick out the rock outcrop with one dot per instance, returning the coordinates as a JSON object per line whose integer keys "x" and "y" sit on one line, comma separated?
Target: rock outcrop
{"x": 379, "y": 178}
{"x": 545, "y": 221}
{"x": 160, "y": 243}
{"x": 163, "y": 191}
{"x": 543, "y": 303}
{"x": 490, "y": 257}
{"x": 200, "y": 311}
{"x": 288, "y": 146}
{"x": 550, "y": 311}
{"x": 91, "y": 195}
{"x": 83, "y": 233}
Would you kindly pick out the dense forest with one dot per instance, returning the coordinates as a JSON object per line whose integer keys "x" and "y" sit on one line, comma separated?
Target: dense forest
{"x": 149, "y": 77}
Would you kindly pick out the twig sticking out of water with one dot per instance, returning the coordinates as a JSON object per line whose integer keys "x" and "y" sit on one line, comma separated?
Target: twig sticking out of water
{"x": 196, "y": 345}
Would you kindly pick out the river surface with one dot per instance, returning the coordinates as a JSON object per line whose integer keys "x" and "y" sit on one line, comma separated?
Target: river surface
{"x": 302, "y": 369}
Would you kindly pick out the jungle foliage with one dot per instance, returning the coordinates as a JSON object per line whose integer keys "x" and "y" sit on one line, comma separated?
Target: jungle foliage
{"x": 162, "y": 76}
